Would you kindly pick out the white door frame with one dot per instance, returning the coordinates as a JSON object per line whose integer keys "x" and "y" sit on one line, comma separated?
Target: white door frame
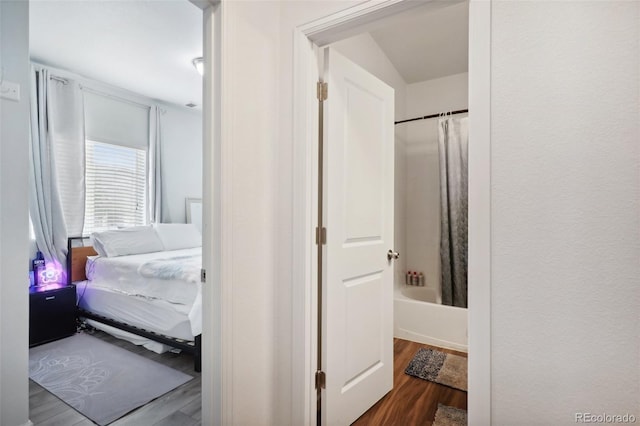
{"x": 307, "y": 39}
{"x": 216, "y": 298}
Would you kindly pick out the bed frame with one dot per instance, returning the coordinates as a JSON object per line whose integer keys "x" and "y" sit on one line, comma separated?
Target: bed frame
{"x": 77, "y": 255}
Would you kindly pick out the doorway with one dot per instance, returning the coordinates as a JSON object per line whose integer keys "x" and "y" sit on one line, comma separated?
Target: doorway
{"x": 206, "y": 12}
{"x": 334, "y": 28}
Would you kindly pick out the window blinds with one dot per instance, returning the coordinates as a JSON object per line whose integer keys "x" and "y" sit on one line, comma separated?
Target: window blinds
{"x": 116, "y": 121}
{"x": 115, "y": 186}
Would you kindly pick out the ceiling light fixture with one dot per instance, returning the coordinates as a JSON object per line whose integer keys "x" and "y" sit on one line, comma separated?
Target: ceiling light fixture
{"x": 199, "y": 64}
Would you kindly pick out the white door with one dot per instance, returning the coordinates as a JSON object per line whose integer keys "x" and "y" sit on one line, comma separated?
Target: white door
{"x": 357, "y": 309}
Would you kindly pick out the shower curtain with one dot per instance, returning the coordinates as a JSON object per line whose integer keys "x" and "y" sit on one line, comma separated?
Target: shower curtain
{"x": 452, "y": 146}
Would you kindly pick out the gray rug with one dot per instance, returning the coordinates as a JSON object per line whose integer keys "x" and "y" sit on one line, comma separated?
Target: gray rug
{"x": 450, "y": 416}
{"x": 102, "y": 381}
{"x": 439, "y": 367}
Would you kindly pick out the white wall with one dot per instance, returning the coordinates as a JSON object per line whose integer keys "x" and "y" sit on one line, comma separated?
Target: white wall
{"x": 443, "y": 94}
{"x": 565, "y": 152}
{"x": 181, "y": 160}
{"x": 14, "y": 231}
{"x": 250, "y": 46}
{"x": 422, "y": 199}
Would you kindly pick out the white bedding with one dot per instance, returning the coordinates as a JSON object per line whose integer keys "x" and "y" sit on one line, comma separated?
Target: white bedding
{"x": 168, "y": 281}
{"x": 173, "y": 275}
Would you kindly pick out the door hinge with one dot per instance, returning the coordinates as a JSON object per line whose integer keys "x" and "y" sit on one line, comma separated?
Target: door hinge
{"x": 321, "y": 236}
{"x": 203, "y": 275}
{"x": 321, "y": 379}
{"x": 323, "y": 91}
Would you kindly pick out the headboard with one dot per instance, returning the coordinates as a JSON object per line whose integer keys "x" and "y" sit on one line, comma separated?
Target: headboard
{"x": 78, "y": 249}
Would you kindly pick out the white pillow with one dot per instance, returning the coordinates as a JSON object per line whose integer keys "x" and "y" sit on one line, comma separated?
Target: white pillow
{"x": 176, "y": 236}
{"x": 122, "y": 242}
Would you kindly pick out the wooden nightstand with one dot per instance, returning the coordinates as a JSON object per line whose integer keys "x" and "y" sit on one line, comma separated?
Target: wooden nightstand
{"x": 52, "y": 313}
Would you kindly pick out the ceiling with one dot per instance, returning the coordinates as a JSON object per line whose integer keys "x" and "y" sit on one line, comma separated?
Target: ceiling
{"x": 145, "y": 46}
{"x": 428, "y": 43}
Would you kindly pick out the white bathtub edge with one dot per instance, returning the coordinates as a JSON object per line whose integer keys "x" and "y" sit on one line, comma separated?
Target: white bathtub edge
{"x": 402, "y": 333}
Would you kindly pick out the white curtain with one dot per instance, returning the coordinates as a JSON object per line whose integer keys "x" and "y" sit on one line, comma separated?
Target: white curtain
{"x": 156, "y": 211}
{"x": 57, "y": 162}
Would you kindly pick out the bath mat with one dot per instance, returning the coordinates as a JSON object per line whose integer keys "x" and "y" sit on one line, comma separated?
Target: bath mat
{"x": 450, "y": 416}
{"x": 439, "y": 367}
{"x": 102, "y": 381}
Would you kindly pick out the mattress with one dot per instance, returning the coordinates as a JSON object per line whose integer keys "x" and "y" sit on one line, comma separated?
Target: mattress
{"x": 160, "y": 292}
{"x": 154, "y": 315}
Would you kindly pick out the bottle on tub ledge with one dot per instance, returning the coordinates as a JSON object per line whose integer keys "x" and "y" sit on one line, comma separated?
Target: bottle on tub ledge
{"x": 414, "y": 278}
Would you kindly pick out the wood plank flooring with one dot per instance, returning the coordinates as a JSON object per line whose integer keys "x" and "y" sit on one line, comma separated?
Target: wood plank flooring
{"x": 180, "y": 407}
{"x": 412, "y": 401}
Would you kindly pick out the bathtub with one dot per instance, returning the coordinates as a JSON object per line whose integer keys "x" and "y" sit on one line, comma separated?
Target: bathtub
{"x": 417, "y": 317}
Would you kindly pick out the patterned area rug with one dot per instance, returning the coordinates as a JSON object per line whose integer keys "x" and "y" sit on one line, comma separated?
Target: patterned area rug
{"x": 439, "y": 367}
{"x": 449, "y": 416}
{"x": 102, "y": 381}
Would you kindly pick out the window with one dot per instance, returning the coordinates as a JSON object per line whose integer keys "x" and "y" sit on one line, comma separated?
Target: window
{"x": 116, "y": 162}
{"x": 116, "y": 186}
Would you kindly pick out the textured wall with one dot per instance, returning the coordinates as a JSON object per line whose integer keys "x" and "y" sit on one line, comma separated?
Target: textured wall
{"x": 565, "y": 211}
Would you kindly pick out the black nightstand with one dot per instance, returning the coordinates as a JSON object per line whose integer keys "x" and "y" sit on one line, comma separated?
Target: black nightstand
{"x": 52, "y": 313}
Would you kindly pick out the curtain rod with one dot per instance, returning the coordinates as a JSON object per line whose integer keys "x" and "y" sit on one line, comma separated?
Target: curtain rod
{"x": 116, "y": 97}
{"x": 60, "y": 79}
{"x": 460, "y": 111}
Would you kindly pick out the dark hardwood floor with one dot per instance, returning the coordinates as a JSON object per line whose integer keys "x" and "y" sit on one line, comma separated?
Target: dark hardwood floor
{"x": 180, "y": 407}
{"x": 412, "y": 401}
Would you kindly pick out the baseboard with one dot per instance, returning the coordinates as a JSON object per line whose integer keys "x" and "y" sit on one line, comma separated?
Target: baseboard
{"x": 28, "y": 423}
{"x": 427, "y": 340}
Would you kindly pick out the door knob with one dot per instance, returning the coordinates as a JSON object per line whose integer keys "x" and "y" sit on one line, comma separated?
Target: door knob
{"x": 392, "y": 255}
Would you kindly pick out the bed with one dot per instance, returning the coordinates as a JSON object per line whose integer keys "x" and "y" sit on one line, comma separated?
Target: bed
{"x": 146, "y": 292}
